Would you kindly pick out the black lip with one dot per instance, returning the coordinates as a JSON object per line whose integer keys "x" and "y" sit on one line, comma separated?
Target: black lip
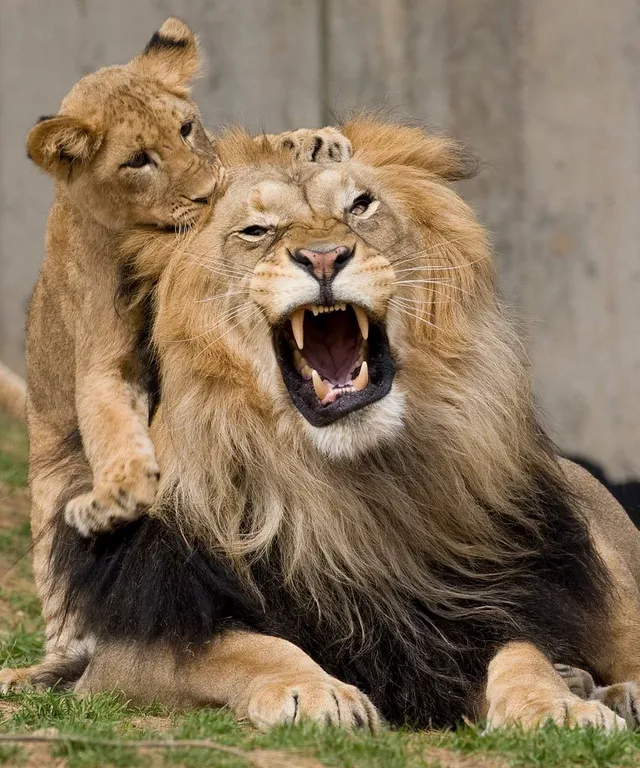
{"x": 382, "y": 369}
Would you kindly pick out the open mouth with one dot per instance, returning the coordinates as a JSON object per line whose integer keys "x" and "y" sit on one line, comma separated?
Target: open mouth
{"x": 334, "y": 360}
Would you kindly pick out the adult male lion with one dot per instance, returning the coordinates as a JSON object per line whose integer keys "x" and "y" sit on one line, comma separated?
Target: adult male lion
{"x": 356, "y": 495}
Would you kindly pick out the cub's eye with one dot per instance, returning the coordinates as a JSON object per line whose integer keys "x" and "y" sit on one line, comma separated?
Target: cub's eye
{"x": 139, "y": 160}
{"x": 186, "y": 128}
{"x": 361, "y": 204}
{"x": 254, "y": 233}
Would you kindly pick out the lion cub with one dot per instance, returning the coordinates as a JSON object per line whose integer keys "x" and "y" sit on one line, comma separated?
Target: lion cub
{"x": 127, "y": 149}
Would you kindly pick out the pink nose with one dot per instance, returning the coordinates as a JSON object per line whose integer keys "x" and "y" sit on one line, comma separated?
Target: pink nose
{"x": 323, "y": 264}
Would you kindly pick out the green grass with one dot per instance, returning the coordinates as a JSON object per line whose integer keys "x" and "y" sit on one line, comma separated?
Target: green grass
{"x": 13, "y": 453}
{"x": 108, "y": 717}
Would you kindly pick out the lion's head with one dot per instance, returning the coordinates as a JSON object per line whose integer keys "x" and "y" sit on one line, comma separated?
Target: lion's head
{"x": 128, "y": 143}
{"x": 341, "y": 293}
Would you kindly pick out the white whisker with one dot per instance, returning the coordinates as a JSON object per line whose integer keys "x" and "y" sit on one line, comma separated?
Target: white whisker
{"x": 240, "y": 319}
{"x": 436, "y": 268}
{"x": 221, "y": 296}
{"x": 414, "y": 255}
{"x": 404, "y": 310}
{"x": 432, "y": 282}
{"x": 224, "y": 317}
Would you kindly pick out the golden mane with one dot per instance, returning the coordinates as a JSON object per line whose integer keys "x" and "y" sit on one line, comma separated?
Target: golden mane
{"x": 466, "y": 453}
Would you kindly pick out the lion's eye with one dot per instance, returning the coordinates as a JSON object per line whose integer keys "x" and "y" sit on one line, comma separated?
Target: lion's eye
{"x": 139, "y": 160}
{"x": 361, "y": 204}
{"x": 186, "y": 128}
{"x": 253, "y": 233}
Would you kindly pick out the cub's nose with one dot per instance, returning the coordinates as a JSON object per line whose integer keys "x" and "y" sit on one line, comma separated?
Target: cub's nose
{"x": 323, "y": 264}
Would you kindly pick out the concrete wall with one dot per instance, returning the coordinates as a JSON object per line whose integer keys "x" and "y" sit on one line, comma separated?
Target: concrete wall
{"x": 547, "y": 92}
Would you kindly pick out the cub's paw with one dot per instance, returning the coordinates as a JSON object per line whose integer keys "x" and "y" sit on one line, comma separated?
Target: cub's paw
{"x": 569, "y": 711}
{"x": 623, "y": 699}
{"x": 578, "y": 680}
{"x": 323, "y": 700}
{"x": 317, "y": 146}
{"x": 122, "y": 495}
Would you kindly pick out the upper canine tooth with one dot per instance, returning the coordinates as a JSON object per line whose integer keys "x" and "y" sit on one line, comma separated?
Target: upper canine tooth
{"x": 321, "y": 387}
{"x": 297, "y": 326}
{"x": 315, "y": 310}
{"x": 362, "y": 379}
{"x": 363, "y": 321}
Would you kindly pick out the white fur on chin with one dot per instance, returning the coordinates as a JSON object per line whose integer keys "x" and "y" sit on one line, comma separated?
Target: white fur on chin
{"x": 362, "y": 430}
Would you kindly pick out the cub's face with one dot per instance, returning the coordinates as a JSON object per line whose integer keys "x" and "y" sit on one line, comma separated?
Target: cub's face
{"x": 128, "y": 143}
{"x": 326, "y": 283}
{"x": 155, "y": 164}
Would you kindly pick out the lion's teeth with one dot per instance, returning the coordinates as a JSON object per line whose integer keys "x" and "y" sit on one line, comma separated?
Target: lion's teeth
{"x": 362, "y": 378}
{"x": 305, "y": 371}
{"x": 315, "y": 309}
{"x": 321, "y": 387}
{"x": 363, "y": 321}
{"x": 297, "y": 326}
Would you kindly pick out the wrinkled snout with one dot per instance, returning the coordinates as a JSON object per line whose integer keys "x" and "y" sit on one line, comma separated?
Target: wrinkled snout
{"x": 323, "y": 262}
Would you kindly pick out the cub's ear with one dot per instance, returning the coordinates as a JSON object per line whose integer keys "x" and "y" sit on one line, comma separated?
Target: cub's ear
{"x": 172, "y": 56}
{"x": 378, "y": 143}
{"x": 61, "y": 144}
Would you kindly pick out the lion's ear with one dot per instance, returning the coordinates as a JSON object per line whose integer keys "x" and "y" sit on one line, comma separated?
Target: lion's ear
{"x": 60, "y": 144}
{"x": 172, "y": 56}
{"x": 377, "y": 143}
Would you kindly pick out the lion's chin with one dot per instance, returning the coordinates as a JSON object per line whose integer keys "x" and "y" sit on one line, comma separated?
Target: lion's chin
{"x": 361, "y": 431}
{"x": 334, "y": 361}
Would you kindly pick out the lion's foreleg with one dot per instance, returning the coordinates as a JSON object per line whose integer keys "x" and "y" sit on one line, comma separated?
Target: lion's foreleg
{"x": 524, "y": 689}
{"x": 262, "y": 679}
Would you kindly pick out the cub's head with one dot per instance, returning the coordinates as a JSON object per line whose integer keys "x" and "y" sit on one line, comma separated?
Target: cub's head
{"x": 128, "y": 142}
{"x": 340, "y": 295}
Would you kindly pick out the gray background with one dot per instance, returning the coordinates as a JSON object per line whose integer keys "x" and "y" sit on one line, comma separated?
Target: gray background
{"x": 546, "y": 91}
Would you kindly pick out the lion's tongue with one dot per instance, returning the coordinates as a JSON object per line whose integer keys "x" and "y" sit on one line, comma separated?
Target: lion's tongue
{"x": 332, "y": 345}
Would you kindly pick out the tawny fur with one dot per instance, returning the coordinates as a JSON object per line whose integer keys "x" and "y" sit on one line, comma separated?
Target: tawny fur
{"x": 456, "y": 435}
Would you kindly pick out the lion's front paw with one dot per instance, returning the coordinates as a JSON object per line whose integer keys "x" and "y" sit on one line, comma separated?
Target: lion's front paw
{"x": 16, "y": 679}
{"x": 564, "y": 711}
{"x": 317, "y": 146}
{"x": 323, "y": 700}
{"x": 122, "y": 495}
{"x": 623, "y": 699}
{"x": 579, "y": 681}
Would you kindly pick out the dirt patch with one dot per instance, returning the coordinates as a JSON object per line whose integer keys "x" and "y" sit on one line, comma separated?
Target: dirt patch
{"x": 446, "y": 758}
{"x": 152, "y": 723}
{"x": 39, "y": 756}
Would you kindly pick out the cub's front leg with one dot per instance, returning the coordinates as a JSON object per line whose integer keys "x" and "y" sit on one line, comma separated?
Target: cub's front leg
{"x": 524, "y": 689}
{"x": 315, "y": 145}
{"x": 113, "y": 415}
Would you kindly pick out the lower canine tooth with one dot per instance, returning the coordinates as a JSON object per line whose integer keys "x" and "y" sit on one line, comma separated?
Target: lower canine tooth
{"x": 297, "y": 326}
{"x": 363, "y": 377}
{"x": 321, "y": 387}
